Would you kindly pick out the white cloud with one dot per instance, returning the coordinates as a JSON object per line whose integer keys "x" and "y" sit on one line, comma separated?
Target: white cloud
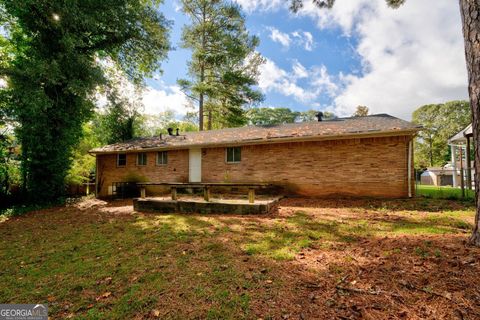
{"x": 166, "y": 98}
{"x": 411, "y": 56}
{"x": 299, "y": 70}
{"x": 305, "y": 39}
{"x": 280, "y": 37}
{"x": 275, "y": 79}
{"x": 261, "y": 5}
{"x": 299, "y": 37}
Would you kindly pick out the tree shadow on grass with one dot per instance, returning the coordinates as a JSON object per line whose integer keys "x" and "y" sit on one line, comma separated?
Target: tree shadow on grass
{"x": 391, "y": 205}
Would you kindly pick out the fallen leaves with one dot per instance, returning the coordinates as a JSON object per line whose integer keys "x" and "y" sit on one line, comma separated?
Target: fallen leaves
{"x": 103, "y": 296}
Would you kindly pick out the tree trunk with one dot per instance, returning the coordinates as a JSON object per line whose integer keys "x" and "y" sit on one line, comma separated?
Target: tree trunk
{"x": 470, "y": 10}
{"x": 200, "y": 112}
{"x": 210, "y": 119}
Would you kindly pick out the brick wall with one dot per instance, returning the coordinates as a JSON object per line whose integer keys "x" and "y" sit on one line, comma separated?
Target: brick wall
{"x": 176, "y": 170}
{"x": 357, "y": 167}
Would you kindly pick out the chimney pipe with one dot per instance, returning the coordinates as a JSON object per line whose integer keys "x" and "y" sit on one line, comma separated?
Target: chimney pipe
{"x": 170, "y": 131}
{"x": 319, "y": 116}
{"x": 177, "y": 132}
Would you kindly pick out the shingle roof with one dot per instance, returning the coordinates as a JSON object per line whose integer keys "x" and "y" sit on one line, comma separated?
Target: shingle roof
{"x": 374, "y": 125}
{"x": 460, "y": 138}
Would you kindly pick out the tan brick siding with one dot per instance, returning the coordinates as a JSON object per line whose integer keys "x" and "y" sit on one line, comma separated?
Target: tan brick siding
{"x": 176, "y": 170}
{"x": 360, "y": 167}
{"x": 357, "y": 167}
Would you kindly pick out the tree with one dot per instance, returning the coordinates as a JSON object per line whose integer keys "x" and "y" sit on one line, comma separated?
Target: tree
{"x": 440, "y": 122}
{"x": 275, "y": 116}
{"x": 224, "y": 64}
{"x": 83, "y": 163}
{"x": 470, "y": 12}
{"x": 120, "y": 118}
{"x": 9, "y": 168}
{"x": 311, "y": 115}
{"x": 362, "y": 111}
{"x": 271, "y": 116}
{"x": 53, "y": 69}
{"x": 154, "y": 125}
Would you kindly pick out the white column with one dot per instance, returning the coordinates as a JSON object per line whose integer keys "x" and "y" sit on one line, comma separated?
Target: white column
{"x": 454, "y": 164}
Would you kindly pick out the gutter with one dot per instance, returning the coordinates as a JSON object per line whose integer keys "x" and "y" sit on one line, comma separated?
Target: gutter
{"x": 346, "y": 136}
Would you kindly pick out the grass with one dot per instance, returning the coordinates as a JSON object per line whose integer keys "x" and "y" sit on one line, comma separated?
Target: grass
{"x": 107, "y": 262}
{"x": 444, "y": 192}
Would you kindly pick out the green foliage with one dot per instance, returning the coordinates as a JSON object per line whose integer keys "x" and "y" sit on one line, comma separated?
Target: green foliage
{"x": 271, "y": 116}
{"x": 9, "y": 164}
{"x": 274, "y": 116}
{"x": 296, "y": 5}
{"x": 224, "y": 64}
{"x": 361, "y": 111}
{"x": 154, "y": 125}
{"x": 83, "y": 163}
{"x": 54, "y": 48}
{"x": 440, "y": 122}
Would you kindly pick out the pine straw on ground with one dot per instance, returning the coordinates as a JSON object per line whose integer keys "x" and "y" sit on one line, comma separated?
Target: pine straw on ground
{"x": 309, "y": 259}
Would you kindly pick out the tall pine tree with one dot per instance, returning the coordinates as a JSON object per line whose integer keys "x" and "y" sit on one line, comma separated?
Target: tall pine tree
{"x": 53, "y": 71}
{"x": 224, "y": 64}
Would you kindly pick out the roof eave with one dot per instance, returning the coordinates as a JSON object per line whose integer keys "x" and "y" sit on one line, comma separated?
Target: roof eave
{"x": 344, "y": 136}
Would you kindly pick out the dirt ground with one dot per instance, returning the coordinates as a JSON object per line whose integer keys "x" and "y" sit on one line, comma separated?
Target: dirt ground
{"x": 308, "y": 259}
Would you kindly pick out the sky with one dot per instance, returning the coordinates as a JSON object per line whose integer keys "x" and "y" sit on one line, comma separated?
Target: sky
{"x": 360, "y": 52}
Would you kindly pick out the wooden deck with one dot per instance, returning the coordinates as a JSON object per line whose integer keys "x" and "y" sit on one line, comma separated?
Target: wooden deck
{"x": 206, "y": 186}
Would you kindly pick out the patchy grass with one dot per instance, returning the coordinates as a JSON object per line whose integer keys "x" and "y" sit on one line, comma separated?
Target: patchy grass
{"x": 444, "y": 192}
{"x": 94, "y": 260}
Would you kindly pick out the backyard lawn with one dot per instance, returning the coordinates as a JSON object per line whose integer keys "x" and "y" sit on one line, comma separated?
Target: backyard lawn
{"x": 443, "y": 192}
{"x": 309, "y": 259}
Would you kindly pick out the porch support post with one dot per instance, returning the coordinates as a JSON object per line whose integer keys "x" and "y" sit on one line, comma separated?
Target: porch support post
{"x": 251, "y": 195}
{"x": 454, "y": 164}
{"x": 462, "y": 181}
{"x": 206, "y": 193}
{"x": 469, "y": 165}
{"x": 409, "y": 169}
{"x": 142, "y": 192}
{"x": 174, "y": 193}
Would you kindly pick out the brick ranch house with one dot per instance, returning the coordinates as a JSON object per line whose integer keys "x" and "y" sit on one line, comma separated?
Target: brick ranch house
{"x": 358, "y": 156}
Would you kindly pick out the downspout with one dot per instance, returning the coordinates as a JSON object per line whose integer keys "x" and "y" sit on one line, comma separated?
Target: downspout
{"x": 96, "y": 173}
{"x": 96, "y": 176}
{"x": 409, "y": 170}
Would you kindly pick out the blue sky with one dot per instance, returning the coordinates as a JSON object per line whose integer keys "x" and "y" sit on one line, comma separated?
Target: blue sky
{"x": 359, "y": 53}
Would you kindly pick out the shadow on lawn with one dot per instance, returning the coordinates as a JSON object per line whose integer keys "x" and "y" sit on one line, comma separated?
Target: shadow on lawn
{"x": 104, "y": 261}
{"x": 392, "y": 205}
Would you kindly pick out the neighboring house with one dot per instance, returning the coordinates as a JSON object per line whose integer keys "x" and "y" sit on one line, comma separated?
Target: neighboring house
{"x": 439, "y": 176}
{"x": 358, "y": 156}
{"x": 461, "y": 152}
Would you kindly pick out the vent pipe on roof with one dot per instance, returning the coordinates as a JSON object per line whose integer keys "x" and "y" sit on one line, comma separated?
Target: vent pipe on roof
{"x": 170, "y": 131}
{"x": 319, "y": 116}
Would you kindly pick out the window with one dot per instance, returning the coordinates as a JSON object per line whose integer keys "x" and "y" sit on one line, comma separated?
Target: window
{"x": 141, "y": 159}
{"x": 162, "y": 158}
{"x": 234, "y": 155}
{"x": 121, "y": 160}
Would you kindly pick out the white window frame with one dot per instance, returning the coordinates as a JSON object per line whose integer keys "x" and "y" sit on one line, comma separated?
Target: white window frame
{"x": 138, "y": 158}
{"x": 118, "y": 160}
{"x": 164, "y": 157}
{"x": 226, "y": 155}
